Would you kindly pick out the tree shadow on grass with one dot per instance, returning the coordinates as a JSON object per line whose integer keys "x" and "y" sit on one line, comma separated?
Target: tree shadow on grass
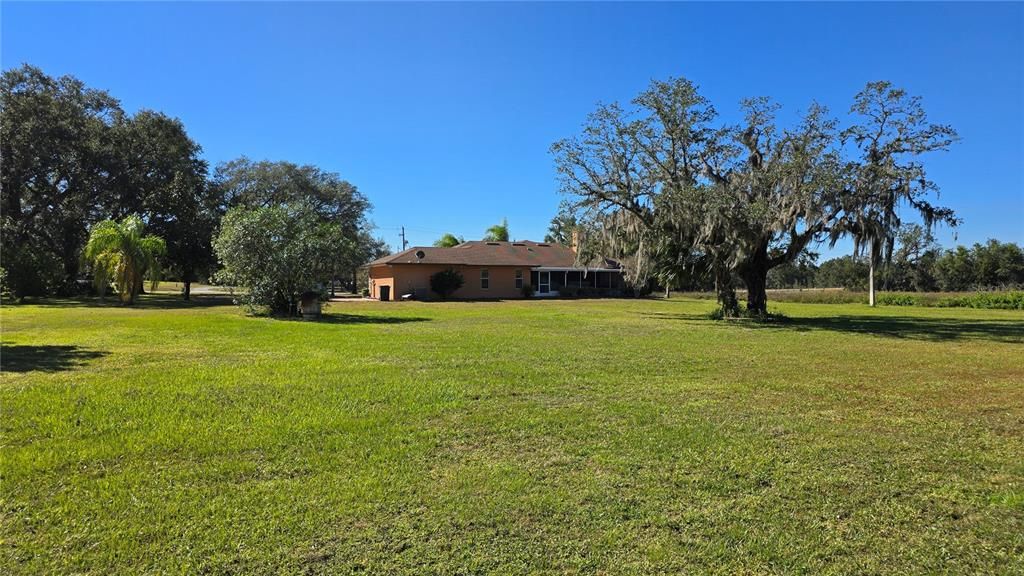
{"x": 914, "y": 328}
{"x": 143, "y": 302}
{"x": 28, "y": 358}
{"x": 335, "y": 318}
{"x": 903, "y": 327}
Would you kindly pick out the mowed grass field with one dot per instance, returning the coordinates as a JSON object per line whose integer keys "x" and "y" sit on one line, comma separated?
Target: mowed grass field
{"x": 560, "y": 437}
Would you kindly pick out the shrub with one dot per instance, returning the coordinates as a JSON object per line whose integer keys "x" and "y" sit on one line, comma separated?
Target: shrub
{"x": 527, "y": 291}
{"x": 446, "y": 282}
{"x": 276, "y": 254}
{"x": 366, "y": 292}
{"x": 566, "y": 292}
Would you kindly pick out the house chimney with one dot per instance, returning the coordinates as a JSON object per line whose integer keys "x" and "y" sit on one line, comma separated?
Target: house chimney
{"x": 575, "y": 242}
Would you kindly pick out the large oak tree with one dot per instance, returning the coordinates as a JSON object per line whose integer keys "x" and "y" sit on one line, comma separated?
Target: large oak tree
{"x": 71, "y": 158}
{"x": 667, "y": 187}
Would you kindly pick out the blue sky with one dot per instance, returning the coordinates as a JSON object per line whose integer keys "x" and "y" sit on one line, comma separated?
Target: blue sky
{"x": 443, "y": 113}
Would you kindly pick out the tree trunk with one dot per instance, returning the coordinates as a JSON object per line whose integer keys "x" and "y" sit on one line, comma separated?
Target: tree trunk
{"x": 71, "y": 258}
{"x": 755, "y": 276}
{"x": 187, "y": 277}
{"x": 757, "y": 295}
{"x": 726, "y": 292}
{"x": 871, "y": 281}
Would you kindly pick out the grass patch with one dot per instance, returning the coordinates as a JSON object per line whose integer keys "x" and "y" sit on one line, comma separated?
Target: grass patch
{"x": 588, "y": 436}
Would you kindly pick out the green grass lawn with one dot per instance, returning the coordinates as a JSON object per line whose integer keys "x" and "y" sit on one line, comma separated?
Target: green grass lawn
{"x": 595, "y": 436}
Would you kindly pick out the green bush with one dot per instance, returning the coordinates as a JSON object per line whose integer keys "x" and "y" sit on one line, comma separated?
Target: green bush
{"x": 527, "y": 291}
{"x": 566, "y": 292}
{"x": 276, "y": 254}
{"x": 446, "y": 282}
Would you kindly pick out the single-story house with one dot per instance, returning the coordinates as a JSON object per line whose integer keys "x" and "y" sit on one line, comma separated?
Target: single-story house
{"x": 493, "y": 270}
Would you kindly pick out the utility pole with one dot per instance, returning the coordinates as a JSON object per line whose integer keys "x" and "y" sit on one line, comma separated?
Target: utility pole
{"x": 404, "y": 243}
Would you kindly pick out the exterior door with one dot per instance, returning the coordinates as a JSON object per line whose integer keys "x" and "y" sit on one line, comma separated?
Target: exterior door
{"x": 385, "y": 293}
{"x": 544, "y": 283}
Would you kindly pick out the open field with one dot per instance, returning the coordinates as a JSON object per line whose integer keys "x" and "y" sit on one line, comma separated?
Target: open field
{"x": 594, "y": 436}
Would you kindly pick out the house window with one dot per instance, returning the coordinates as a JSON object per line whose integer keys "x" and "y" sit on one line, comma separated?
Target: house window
{"x": 519, "y": 279}
{"x": 485, "y": 279}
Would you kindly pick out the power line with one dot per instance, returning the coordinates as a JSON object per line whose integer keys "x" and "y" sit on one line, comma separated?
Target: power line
{"x": 411, "y": 229}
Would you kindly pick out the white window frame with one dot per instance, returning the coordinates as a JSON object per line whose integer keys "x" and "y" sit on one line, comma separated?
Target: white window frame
{"x": 519, "y": 279}
{"x": 485, "y": 279}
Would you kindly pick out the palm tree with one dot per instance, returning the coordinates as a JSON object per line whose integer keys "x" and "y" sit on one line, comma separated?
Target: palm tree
{"x": 118, "y": 251}
{"x": 448, "y": 240}
{"x": 498, "y": 232}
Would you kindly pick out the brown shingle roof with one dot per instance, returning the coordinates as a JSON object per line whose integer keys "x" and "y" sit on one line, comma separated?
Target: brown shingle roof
{"x": 480, "y": 253}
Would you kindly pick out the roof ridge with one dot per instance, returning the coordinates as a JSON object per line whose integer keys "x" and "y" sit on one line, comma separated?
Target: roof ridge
{"x": 526, "y": 253}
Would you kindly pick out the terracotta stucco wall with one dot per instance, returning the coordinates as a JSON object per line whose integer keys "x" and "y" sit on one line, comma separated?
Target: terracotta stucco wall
{"x": 408, "y": 278}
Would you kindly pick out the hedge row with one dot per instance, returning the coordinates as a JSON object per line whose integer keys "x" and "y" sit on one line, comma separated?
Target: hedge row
{"x": 1012, "y": 300}
{"x": 1003, "y": 300}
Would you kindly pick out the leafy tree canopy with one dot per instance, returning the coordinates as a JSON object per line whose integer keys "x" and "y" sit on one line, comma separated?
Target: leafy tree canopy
{"x": 561, "y": 229}
{"x": 264, "y": 184}
{"x": 448, "y": 240}
{"x": 56, "y": 157}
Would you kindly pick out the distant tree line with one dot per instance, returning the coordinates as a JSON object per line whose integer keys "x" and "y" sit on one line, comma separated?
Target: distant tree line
{"x": 73, "y": 158}
{"x": 914, "y": 268}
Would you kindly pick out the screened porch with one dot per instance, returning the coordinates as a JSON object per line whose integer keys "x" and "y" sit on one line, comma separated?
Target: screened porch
{"x": 576, "y": 281}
